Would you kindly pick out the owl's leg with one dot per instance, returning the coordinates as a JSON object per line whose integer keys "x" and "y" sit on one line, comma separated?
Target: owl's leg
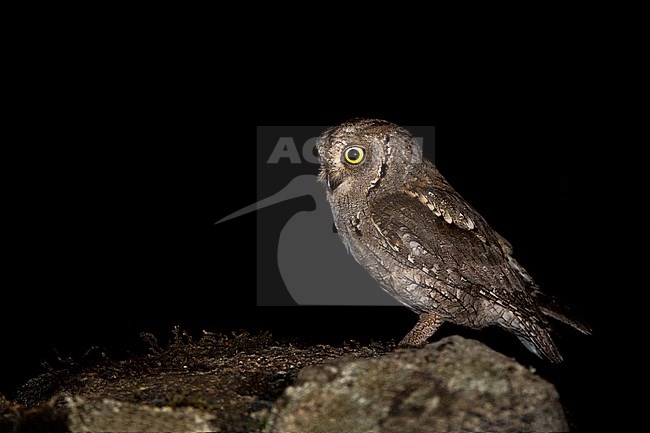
{"x": 427, "y": 324}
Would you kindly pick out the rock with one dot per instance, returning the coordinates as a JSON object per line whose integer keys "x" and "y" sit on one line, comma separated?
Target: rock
{"x": 111, "y": 415}
{"x": 239, "y": 384}
{"x": 452, "y": 385}
{"x": 218, "y": 383}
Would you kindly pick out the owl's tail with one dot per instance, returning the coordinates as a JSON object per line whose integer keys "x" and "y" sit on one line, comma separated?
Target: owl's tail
{"x": 538, "y": 340}
{"x": 550, "y": 307}
{"x": 534, "y": 334}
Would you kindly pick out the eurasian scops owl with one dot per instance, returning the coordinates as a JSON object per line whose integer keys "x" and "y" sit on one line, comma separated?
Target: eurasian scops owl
{"x": 424, "y": 244}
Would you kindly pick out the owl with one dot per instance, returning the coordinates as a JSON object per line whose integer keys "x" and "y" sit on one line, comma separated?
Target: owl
{"x": 424, "y": 244}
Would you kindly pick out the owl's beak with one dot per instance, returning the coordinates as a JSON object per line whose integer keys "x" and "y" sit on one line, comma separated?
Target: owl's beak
{"x": 332, "y": 183}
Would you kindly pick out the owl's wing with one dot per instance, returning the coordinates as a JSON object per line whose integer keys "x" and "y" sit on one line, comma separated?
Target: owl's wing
{"x": 447, "y": 205}
{"x": 450, "y": 243}
{"x": 431, "y": 189}
{"x": 492, "y": 258}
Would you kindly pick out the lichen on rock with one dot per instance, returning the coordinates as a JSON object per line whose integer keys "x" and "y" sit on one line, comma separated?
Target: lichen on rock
{"x": 452, "y": 385}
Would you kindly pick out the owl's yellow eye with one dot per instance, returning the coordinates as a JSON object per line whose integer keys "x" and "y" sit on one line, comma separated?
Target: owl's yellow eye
{"x": 354, "y": 155}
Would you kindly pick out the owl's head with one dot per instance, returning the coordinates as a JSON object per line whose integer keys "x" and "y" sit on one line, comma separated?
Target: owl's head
{"x": 366, "y": 154}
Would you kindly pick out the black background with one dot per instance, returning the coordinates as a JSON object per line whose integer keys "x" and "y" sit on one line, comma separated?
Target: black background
{"x": 116, "y": 185}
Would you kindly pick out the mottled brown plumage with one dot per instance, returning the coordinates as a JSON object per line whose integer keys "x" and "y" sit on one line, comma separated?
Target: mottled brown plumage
{"x": 423, "y": 243}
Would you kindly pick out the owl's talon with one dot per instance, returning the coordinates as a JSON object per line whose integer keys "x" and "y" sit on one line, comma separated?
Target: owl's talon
{"x": 427, "y": 325}
{"x": 408, "y": 345}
